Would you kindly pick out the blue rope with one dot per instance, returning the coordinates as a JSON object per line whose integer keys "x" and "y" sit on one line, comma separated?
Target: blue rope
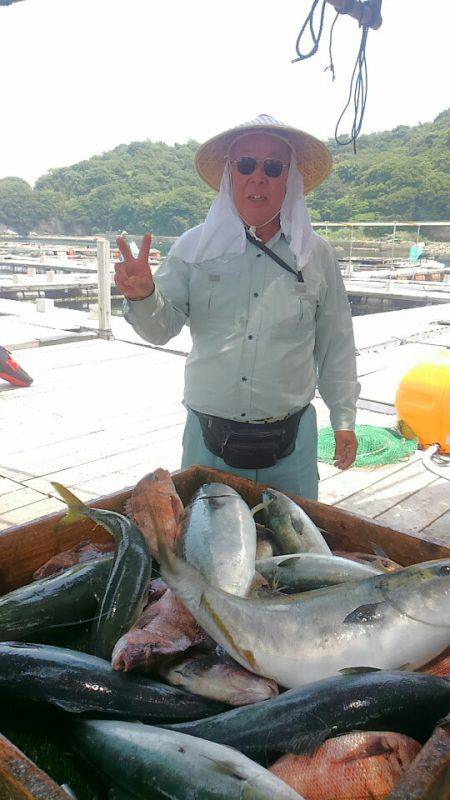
{"x": 6, "y": 2}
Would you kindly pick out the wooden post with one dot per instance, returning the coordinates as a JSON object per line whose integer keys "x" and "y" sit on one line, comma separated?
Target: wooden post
{"x": 104, "y": 290}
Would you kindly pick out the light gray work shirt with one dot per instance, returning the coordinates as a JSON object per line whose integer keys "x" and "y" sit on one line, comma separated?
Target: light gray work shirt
{"x": 262, "y": 341}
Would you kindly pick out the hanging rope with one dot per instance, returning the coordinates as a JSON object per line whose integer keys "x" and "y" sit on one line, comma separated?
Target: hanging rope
{"x": 359, "y": 80}
{"x": 358, "y": 90}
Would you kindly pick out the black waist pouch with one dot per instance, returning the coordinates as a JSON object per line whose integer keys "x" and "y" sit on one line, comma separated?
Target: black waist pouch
{"x": 248, "y": 445}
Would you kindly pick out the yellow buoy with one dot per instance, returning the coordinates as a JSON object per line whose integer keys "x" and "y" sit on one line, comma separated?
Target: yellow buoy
{"x": 423, "y": 401}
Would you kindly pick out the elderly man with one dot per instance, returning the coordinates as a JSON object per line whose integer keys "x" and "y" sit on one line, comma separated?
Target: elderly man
{"x": 267, "y": 309}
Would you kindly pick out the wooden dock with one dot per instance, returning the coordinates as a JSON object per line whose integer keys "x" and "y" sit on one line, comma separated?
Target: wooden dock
{"x": 101, "y": 414}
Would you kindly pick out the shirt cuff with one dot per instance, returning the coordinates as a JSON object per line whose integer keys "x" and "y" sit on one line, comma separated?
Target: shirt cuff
{"x": 343, "y": 420}
{"x": 141, "y": 309}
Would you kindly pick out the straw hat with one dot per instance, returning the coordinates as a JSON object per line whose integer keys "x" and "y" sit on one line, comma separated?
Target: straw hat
{"x": 314, "y": 160}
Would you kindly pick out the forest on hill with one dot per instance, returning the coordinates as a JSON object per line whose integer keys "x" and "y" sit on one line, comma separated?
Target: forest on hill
{"x": 400, "y": 174}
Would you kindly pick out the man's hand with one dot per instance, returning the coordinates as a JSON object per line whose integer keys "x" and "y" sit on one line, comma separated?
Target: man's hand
{"x": 345, "y": 450}
{"x": 133, "y": 275}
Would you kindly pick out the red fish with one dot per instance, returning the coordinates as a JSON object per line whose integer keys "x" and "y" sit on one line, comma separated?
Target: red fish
{"x": 156, "y": 509}
{"x": 164, "y": 630}
{"x": 357, "y": 766}
{"x": 85, "y": 551}
{"x": 439, "y": 665}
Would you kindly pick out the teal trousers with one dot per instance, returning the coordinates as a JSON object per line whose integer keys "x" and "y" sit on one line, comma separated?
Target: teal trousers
{"x": 296, "y": 473}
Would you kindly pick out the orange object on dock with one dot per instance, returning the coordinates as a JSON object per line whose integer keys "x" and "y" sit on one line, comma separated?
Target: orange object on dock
{"x": 423, "y": 401}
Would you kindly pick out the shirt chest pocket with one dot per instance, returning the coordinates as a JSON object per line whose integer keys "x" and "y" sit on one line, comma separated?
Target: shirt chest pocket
{"x": 213, "y": 296}
{"x": 296, "y": 312}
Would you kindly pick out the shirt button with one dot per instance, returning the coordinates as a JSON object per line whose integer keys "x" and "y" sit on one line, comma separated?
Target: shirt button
{"x": 255, "y": 294}
{"x": 244, "y": 379}
{"x": 243, "y": 415}
{"x": 258, "y": 255}
{"x": 250, "y": 337}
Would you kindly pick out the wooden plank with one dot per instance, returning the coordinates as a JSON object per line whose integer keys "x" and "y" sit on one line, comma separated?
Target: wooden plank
{"x": 157, "y": 450}
{"x": 350, "y": 483}
{"x": 18, "y": 499}
{"x": 389, "y": 491}
{"x": 7, "y": 485}
{"x": 21, "y": 779}
{"x": 421, "y": 508}
{"x": 439, "y": 529}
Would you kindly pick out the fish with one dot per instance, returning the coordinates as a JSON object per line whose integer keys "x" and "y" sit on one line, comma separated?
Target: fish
{"x": 128, "y": 583}
{"x": 439, "y": 665}
{"x": 163, "y": 631}
{"x": 380, "y": 562}
{"x": 218, "y": 537}
{"x": 218, "y": 676}
{"x": 82, "y": 552}
{"x": 385, "y": 621}
{"x": 80, "y": 683}
{"x": 293, "y": 530}
{"x": 156, "y": 508}
{"x": 69, "y": 598}
{"x": 428, "y": 777}
{"x": 356, "y": 766}
{"x": 149, "y": 762}
{"x": 299, "y": 720}
{"x": 264, "y": 542}
{"x": 301, "y": 572}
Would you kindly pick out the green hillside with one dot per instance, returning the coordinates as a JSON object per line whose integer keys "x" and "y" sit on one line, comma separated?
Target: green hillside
{"x": 398, "y": 174}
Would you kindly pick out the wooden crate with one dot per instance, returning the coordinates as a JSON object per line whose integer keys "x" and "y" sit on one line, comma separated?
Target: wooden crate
{"x": 26, "y": 547}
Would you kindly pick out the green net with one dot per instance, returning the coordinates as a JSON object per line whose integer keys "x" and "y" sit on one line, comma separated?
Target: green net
{"x": 376, "y": 446}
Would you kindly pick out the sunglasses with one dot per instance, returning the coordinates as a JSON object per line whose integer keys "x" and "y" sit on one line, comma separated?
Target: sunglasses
{"x": 272, "y": 167}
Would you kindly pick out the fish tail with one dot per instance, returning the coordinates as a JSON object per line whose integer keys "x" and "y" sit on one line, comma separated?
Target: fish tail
{"x": 76, "y": 508}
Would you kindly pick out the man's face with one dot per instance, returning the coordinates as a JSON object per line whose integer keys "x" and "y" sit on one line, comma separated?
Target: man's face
{"x": 258, "y": 197}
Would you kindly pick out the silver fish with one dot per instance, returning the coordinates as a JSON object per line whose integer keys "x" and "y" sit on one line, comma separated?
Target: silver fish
{"x": 218, "y": 676}
{"x": 383, "y": 622}
{"x": 302, "y": 572}
{"x": 149, "y": 762}
{"x": 294, "y": 531}
{"x": 219, "y": 538}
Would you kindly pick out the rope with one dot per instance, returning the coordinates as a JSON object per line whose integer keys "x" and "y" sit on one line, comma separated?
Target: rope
{"x": 435, "y": 463}
{"x": 359, "y": 80}
{"x": 309, "y": 22}
{"x": 359, "y": 93}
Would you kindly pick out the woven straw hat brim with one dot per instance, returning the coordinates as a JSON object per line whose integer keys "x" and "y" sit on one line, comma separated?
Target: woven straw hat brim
{"x": 314, "y": 160}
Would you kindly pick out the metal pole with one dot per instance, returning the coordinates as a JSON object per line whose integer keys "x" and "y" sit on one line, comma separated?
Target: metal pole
{"x": 393, "y": 243}
{"x": 349, "y": 265}
{"x": 104, "y": 289}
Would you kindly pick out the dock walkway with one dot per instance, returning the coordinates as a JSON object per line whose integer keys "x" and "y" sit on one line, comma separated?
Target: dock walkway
{"x": 101, "y": 414}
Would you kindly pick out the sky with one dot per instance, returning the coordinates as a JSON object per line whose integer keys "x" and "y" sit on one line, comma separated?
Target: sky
{"x": 79, "y": 77}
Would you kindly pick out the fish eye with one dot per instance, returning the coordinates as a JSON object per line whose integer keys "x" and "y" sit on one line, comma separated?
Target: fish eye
{"x": 444, "y": 570}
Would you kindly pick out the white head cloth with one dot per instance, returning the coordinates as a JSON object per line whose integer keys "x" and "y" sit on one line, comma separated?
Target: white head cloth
{"x": 223, "y": 234}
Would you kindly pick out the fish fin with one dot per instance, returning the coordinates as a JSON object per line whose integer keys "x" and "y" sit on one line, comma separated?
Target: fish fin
{"x": 260, "y": 507}
{"x": 358, "y": 670}
{"x": 227, "y": 768}
{"x": 76, "y": 506}
{"x": 376, "y": 747}
{"x": 288, "y": 562}
{"x": 366, "y": 614}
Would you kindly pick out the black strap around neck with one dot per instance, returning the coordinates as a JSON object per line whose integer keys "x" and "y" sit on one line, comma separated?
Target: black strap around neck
{"x": 274, "y": 256}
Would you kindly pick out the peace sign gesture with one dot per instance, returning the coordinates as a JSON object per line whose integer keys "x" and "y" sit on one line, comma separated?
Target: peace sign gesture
{"x": 133, "y": 276}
